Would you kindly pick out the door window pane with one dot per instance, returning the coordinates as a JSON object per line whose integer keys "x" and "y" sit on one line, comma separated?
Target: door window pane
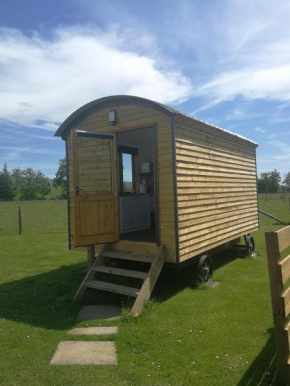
{"x": 127, "y": 173}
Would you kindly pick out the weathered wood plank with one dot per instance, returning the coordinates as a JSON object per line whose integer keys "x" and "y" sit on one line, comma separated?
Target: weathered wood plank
{"x": 285, "y": 268}
{"x": 278, "y": 303}
{"x": 89, "y": 276}
{"x": 199, "y": 159}
{"x": 201, "y": 244}
{"x": 181, "y": 165}
{"x": 110, "y": 287}
{"x": 121, "y": 272}
{"x": 204, "y": 238}
{"x": 284, "y": 238}
{"x": 212, "y": 229}
{"x": 205, "y": 209}
{"x": 129, "y": 256}
{"x": 198, "y": 219}
{"x": 190, "y": 146}
{"x": 194, "y": 250}
{"x": 149, "y": 282}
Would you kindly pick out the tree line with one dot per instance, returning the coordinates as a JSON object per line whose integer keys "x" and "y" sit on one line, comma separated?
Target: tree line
{"x": 28, "y": 184}
{"x": 270, "y": 182}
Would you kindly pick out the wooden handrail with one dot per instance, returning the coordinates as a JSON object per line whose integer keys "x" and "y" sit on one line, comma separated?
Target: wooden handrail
{"x": 279, "y": 272}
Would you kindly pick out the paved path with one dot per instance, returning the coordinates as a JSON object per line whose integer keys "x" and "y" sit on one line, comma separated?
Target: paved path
{"x": 89, "y": 352}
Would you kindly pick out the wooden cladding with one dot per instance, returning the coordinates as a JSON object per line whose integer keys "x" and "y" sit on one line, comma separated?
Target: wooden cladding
{"x": 96, "y": 219}
{"x": 279, "y": 274}
{"x": 216, "y": 189}
{"x": 95, "y": 164}
{"x": 216, "y": 195}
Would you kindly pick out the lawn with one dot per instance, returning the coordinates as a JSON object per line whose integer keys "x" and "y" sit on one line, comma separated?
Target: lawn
{"x": 187, "y": 335}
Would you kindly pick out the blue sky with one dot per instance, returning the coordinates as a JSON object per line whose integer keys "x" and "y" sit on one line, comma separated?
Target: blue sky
{"x": 224, "y": 61}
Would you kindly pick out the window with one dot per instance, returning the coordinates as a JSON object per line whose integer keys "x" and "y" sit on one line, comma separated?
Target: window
{"x": 127, "y": 169}
{"x": 128, "y": 179}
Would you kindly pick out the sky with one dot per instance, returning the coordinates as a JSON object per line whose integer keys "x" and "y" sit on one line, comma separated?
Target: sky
{"x": 223, "y": 61}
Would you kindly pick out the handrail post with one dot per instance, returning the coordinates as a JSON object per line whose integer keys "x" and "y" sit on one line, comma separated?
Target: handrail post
{"x": 279, "y": 317}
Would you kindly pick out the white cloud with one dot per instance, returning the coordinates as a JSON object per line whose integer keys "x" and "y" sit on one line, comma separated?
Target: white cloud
{"x": 260, "y": 130}
{"x": 47, "y": 80}
{"x": 250, "y": 50}
{"x": 284, "y": 154}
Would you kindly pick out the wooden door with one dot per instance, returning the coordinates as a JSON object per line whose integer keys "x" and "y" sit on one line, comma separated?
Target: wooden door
{"x": 95, "y": 188}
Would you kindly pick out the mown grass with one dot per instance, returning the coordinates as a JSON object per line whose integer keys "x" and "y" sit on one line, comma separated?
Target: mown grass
{"x": 187, "y": 335}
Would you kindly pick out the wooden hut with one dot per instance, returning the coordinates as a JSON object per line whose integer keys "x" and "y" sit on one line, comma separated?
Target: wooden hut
{"x": 151, "y": 184}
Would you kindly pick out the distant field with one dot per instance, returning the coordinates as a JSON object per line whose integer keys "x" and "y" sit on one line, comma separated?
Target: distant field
{"x": 276, "y": 206}
{"x": 187, "y": 335}
{"x": 51, "y": 216}
{"x": 37, "y": 217}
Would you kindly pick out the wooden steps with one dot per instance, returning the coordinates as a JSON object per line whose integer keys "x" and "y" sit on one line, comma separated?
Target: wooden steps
{"x": 110, "y": 287}
{"x": 121, "y": 272}
{"x": 129, "y": 256}
{"x": 138, "y": 247}
{"x": 105, "y": 263}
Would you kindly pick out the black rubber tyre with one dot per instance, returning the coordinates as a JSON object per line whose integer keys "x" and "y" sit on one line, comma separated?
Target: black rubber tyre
{"x": 250, "y": 244}
{"x": 205, "y": 269}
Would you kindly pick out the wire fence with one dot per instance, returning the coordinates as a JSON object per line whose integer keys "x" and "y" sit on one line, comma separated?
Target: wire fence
{"x": 50, "y": 216}
{"x": 47, "y": 216}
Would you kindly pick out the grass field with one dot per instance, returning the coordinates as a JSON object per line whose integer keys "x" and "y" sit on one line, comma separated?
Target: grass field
{"x": 187, "y": 335}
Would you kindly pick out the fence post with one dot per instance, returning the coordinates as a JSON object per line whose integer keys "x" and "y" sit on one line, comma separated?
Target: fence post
{"x": 278, "y": 308}
{"x": 19, "y": 221}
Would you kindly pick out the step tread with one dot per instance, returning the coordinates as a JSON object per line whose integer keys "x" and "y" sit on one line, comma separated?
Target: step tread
{"x": 110, "y": 287}
{"x": 121, "y": 272}
{"x": 129, "y": 256}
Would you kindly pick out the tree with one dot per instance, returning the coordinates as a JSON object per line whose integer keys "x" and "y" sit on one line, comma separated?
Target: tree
{"x": 286, "y": 181}
{"x": 7, "y": 191}
{"x": 60, "y": 180}
{"x": 32, "y": 185}
{"x": 269, "y": 182}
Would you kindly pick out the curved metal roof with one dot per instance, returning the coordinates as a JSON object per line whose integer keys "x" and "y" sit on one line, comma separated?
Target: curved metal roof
{"x": 126, "y": 99}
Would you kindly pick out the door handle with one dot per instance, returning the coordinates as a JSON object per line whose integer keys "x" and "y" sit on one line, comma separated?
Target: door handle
{"x": 77, "y": 190}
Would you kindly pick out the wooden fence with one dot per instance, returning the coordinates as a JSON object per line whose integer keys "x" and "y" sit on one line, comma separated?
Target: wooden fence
{"x": 279, "y": 273}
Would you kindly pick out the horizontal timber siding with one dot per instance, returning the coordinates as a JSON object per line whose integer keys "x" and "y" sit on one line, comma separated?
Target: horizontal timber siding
{"x": 216, "y": 187}
{"x": 128, "y": 116}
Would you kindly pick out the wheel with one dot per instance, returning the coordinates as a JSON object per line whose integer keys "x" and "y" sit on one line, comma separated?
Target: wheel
{"x": 205, "y": 268}
{"x": 250, "y": 244}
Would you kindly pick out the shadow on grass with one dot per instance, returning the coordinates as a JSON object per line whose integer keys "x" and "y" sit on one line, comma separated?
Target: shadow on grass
{"x": 44, "y": 300}
{"x": 262, "y": 371}
{"x": 188, "y": 276}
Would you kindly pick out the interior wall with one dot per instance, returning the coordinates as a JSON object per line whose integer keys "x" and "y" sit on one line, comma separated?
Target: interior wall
{"x": 141, "y": 139}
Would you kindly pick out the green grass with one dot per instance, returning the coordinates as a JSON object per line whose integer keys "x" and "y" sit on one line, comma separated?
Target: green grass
{"x": 38, "y": 217}
{"x": 187, "y": 335}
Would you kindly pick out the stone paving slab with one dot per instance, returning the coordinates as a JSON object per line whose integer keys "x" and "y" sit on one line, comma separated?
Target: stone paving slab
{"x": 93, "y": 331}
{"x": 85, "y": 353}
{"x": 102, "y": 312}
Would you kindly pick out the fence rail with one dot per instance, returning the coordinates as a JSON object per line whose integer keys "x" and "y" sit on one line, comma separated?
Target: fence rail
{"x": 279, "y": 274}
